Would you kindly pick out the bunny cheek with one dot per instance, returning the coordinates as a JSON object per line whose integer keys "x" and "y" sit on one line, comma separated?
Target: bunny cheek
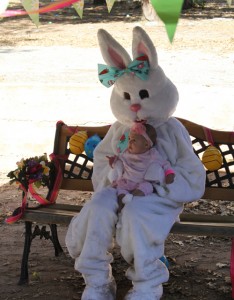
{"x": 122, "y": 112}
{"x": 126, "y": 103}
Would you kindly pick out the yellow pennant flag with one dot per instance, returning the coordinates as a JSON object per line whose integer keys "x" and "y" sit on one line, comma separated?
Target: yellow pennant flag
{"x": 110, "y": 4}
{"x": 3, "y": 5}
{"x": 79, "y": 7}
{"x": 30, "y": 5}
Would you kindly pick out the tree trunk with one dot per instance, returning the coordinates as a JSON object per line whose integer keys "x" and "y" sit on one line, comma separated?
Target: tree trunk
{"x": 148, "y": 10}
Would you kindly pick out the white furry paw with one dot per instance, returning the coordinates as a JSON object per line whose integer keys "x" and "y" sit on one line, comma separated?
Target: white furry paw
{"x": 141, "y": 295}
{"x": 104, "y": 292}
{"x": 112, "y": 175}
{"x": 161, "y": 190}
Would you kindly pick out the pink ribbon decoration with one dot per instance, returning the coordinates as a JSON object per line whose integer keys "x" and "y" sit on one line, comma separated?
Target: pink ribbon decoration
{"x": 18, "y": 213}
{"x": 56, "y": 159}
{"x": 42, "y": 10}
{"x": 208, "y": 135}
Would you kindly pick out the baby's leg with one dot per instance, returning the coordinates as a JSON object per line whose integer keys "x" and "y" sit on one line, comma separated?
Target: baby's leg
{"x": 145, "y": 187}
{"x": 123, "y": 188}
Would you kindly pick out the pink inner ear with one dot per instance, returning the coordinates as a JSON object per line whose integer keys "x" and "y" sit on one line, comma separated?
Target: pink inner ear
{"x": 117, "y": 59}
{"x": 142, "y": 49}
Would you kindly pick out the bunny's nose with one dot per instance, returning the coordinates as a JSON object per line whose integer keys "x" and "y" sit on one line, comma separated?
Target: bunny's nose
{"x": 135, "y": 107}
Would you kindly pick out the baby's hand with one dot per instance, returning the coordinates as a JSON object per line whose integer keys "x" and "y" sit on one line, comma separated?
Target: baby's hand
{"x": 170, "y": 178}
{"x": 111, "y": 160}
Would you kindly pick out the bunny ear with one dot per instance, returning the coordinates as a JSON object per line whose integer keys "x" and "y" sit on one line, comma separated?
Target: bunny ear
{"x": 142, "y": 44}
{"x": 113, "y": 53}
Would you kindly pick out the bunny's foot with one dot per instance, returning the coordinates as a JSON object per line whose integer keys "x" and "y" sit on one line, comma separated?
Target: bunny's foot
{"x": 155, "y": 294}
{"x": 104, "y": 292}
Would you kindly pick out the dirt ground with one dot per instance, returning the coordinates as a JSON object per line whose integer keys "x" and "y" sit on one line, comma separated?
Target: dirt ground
{"x": 199, "y": 266}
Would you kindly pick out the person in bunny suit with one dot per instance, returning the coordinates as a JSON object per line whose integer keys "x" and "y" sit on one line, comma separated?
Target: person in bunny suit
{"x": 141, "y": 92}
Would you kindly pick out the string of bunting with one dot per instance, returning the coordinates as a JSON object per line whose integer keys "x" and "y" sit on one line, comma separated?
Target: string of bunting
{"x": 167, "y": 10}
{"x": 32, "y": 7}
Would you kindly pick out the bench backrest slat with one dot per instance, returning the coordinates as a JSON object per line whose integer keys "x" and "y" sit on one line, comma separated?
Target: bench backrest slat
{"x": 77, "y": 170}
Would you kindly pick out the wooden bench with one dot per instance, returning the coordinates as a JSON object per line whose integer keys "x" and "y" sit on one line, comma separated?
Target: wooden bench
{"x": 76, "y": 175}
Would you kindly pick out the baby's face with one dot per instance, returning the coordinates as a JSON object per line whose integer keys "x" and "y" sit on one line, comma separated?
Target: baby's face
{"x": 137, "y": 144}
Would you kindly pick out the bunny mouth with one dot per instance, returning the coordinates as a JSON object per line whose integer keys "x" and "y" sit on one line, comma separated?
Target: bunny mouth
{"x": 140, "y": 121}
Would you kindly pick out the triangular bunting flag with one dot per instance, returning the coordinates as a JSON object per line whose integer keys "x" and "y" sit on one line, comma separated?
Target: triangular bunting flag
{"x": 110, "y": 4}
{"x": 79, "y": 7}
{"x": 31, "y": 5}
{"x": 169, "y": 12}
{"x": 229, "y": 2}
{"x": 3, "y": 5}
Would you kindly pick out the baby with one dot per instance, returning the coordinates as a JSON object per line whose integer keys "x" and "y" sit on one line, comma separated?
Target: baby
{"x": 140, "y": 165}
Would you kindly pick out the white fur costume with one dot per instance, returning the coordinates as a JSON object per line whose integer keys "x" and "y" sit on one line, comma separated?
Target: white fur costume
{"x": 145, "y": 222}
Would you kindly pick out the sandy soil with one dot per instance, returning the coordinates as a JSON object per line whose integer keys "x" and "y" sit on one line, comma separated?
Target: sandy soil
{"x": 199, "y": 266}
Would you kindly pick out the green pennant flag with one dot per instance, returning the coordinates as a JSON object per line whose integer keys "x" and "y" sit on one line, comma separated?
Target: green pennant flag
{"x": 229, "y": 2}
{"x": 169, "y": 12}
{"x": 79, "y": 7}
{"x": 110, "y": 4}
{"x": 30, "y": 5}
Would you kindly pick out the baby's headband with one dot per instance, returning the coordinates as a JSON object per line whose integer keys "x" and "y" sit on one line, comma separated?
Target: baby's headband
{"x": 139, "y": 128}
{"x": 139, "y": 66}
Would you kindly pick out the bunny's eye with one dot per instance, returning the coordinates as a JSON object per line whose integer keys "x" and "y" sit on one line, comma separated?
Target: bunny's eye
{"x": 127, "y": 96}
{"x": 144, "y": 94}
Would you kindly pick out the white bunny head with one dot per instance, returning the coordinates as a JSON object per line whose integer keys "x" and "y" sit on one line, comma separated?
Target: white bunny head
{"x": 153, "y": 100}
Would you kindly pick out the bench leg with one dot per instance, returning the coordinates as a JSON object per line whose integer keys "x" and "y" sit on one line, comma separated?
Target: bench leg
{"x": 232, "y": 268}
{"x": 27, "y": 244}
{"x": 57, "y": 247}
{"x": 29, "y": 236}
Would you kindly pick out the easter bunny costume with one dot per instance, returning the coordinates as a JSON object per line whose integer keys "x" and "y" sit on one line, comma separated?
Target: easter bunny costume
{"x": 145, "y": 222}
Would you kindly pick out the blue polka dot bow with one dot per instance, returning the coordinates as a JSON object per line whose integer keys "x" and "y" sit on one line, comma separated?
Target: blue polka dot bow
{"x": 139, "y": 66}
